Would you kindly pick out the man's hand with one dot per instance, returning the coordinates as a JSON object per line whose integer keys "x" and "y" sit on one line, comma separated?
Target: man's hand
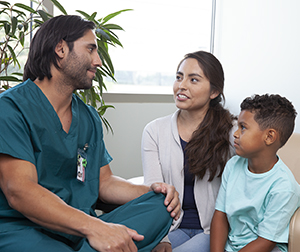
{"x": 172, "y": 198}
{"x": 163, "y": 247}
{"x": 107, "y": 237}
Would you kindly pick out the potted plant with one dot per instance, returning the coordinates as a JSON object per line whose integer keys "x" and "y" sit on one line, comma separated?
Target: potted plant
{"x": 17, "y": 23}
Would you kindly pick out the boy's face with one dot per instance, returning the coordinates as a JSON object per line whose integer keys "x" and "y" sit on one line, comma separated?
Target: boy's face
{"x": 249, "y": 138}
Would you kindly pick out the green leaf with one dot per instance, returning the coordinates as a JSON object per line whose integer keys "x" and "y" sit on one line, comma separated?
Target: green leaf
{"x": 7, "y": 28}
{"x": 19, "y": 13}
{"x": 104, "y": 120}
{"x": 13, "y": 55}
{"x": 14, "y": 23}
{"x": 115, "y": 40}
{"x": 110, "y": 16}
{"x": 93, "y": 16}
{"x": 38, "y": 22}
{"x": 25, "y": 7}
{"x": 43, "y": 15}
{"x": 9, "y": 78}
{"x": 7, "y": 4}
{"x": 58, "y": 5}
{"x": 19, "y": 74}
{"x": 22, "y": 38}
{"x": 25, "y": 26}
{"x": 113, "y": 27}
{"x": 103, "y": 33}
{"x": 99, "y": 79}
{"x": 107, "y": 59}
{"x": 3, "y": 11}
{"x": 87, "y": 16}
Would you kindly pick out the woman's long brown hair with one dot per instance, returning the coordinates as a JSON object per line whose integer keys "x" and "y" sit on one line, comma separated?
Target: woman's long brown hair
{"x": 209, "y": 148}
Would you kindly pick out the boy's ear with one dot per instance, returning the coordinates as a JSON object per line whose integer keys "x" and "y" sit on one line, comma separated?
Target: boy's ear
{"x": 271, "y": 136}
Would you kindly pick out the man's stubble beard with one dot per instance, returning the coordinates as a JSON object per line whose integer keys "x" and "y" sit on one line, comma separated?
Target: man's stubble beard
{"x": 75, "y": 72}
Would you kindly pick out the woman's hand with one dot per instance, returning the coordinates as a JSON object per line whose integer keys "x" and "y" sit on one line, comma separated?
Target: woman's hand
{"x": 172, "y": 201}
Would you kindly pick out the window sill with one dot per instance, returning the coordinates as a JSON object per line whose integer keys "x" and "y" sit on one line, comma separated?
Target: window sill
{"x": 137, "y": 98}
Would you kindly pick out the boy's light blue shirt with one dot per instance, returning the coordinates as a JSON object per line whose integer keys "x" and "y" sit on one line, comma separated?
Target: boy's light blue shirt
{"x": 257, "y": 204}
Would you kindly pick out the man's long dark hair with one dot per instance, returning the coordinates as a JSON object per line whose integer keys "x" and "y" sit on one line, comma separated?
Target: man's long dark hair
{"x": 209, "y": 148}
{"x": 42, "y": 48}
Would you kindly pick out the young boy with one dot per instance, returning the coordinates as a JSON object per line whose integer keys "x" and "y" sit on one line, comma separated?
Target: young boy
{"x": 258, "y": 194}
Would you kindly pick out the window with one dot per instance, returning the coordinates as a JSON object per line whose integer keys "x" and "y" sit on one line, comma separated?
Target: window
{"x": 158, "y": 33}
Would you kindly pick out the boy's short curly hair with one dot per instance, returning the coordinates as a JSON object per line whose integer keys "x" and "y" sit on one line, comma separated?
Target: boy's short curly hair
{"x": 272, "y": 111}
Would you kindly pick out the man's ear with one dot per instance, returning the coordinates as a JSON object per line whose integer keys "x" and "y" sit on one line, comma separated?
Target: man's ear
{"x": 271, "y": 136}
{"x": 61, "y": 49}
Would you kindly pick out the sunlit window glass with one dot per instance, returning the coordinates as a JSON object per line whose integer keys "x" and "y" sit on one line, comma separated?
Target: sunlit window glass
{"x": 158, "y": 33}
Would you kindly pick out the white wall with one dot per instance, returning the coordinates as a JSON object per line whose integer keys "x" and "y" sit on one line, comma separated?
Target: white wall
{"x": 258, "y": 44}
{"x": 128, "y": 121}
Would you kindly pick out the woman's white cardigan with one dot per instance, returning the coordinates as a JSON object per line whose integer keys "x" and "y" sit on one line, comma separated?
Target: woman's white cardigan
{"x": 163, "y": 161}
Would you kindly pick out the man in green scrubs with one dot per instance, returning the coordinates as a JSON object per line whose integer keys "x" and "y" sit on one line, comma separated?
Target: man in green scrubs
{"x": 54, "y": 164}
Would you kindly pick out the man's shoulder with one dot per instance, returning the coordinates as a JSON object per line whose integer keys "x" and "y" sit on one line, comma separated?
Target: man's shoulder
{"x": 15, "y": 90}
{"x": 14, "y": 98}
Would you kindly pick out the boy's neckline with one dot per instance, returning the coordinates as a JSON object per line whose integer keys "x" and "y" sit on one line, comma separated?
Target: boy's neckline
{"x": 253, "y": 171}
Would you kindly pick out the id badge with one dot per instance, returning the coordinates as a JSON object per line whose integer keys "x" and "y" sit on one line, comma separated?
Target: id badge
{"x": 81, "y": 163}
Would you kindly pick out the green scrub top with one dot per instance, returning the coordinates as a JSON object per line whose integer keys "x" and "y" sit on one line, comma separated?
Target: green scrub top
{"x": 31, "y": 130}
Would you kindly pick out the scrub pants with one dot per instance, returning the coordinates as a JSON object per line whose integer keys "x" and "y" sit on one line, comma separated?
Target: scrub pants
{"x": 147, "y": 215}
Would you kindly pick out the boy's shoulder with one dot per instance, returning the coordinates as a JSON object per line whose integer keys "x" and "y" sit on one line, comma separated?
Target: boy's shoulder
{"x": 234, "y": 166}
{"x": 236, "y": 162}
{"x": 235, "y": 159}
{"x": 280, "y": 173}
{"x": 285, "y": 177}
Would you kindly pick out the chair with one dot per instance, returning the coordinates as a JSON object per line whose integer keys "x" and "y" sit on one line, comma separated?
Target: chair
{"x": 290, "y": 154}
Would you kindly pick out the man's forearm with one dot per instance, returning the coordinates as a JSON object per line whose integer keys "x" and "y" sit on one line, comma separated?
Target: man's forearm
{"x": 19, "y": 183}
{"x": 116, "y": 190}
{"x": 46, "y": 209}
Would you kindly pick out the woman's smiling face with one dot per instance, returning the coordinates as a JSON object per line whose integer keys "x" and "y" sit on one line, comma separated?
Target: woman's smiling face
{"x": 191, "y": 88}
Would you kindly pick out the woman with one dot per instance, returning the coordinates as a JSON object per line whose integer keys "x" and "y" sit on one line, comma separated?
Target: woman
{"x": 189, "y": 149}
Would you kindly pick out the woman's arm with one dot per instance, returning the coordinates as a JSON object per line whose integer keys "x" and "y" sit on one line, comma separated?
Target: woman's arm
{"x": 150, "y": 157}
{"x": 218, "y": 232}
